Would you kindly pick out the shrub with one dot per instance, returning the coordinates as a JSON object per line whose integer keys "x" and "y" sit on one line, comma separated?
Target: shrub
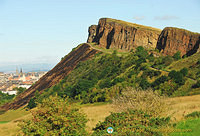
{"x": 184, "y": 71}
{"x": 197, "y": 85}
{"x": 147, "y": 101}
{"x": 141, "y": 52}
{"x": 31, "y": 103}
{"x": 144, "y": 84}
{"x": 54, "y": 116}
{"x": 195, "y": 114}
{"x": 131, "y": 123}
{"x": 177, "y": 55}
{"x": 159, "y": 80}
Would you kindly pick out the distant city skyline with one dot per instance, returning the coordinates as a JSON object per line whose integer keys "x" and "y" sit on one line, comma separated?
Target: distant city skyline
{"x": 43, "y": 31}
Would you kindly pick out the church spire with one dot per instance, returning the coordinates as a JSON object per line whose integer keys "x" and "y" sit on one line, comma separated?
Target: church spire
{"x": 21, "y": 72}
{"x": 17, "y": 71}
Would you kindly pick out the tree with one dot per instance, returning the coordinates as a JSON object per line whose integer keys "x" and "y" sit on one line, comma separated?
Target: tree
{"x": 177, "y": 55}
{"x": 184, "y": 71}
{"x": 32, "y": 103}
{"x": 54, "y": 116}
{"x": 144, "y": 84}
{"x": 141, "y": 52}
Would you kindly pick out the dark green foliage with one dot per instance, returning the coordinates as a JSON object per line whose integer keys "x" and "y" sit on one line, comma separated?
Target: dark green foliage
{"x": 141, "y": 52}
{"x": 132, "y": 122}
{"x": 144, "y": 84}
{"x": 159, "y": 80}
{"x": 184, "y": 71}
{"x": 197, "y": 85}
{"x": 31, "y": 103}
{"x": 151, "y": 57}
{"x": 5, "y": 98}
{"x": 177, "y": 55}
{"x": 198, "y": 62}
{"x": 178, "y": 76}
{"x": 195, "y": 114}
{"x": 117, "y": 80}
{"x": 167, "y": 60}
{"x": 106, "y": 83}
{"x": 19, "y": 90}
{"x": 55, "y": 116}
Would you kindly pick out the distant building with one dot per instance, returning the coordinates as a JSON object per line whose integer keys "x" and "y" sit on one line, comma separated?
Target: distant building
{"x": 10, "y": 92}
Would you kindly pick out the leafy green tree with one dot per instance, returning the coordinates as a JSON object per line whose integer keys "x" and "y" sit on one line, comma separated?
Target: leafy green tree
{"x": 159, "y": 80}
{"x": 144, "y": 84}
{"x": 177, "y": 55}
{"x": 4, "y": 98}
{"x": 32, "y": 103}
{"x": 54, "y": 116}
{"x": 184, "y": 71}
{"x": 19, "y": 90}
{"x": 141, "y": 52}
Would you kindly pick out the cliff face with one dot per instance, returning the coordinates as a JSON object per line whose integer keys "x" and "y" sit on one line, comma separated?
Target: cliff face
{"x": 172, "y": 40}
{"x": 60, "y": 71}
{"x": 111, "y": 33}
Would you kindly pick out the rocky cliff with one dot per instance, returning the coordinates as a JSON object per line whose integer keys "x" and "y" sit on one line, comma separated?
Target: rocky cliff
{"x": 112, "y": 33}
{"x": 173, "y": 39}
{"x": 60, "y": 71}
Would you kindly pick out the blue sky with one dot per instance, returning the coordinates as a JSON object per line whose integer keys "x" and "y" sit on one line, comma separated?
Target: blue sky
{"x": 33, "y": 31}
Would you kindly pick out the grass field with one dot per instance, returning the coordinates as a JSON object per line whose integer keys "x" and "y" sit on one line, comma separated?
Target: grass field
{"x": 180, "y": 106}
{"x": 189, "y": 127}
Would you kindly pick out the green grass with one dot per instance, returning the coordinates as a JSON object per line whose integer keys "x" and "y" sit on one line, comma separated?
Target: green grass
{"x": 13, "y": 114}
{"x": 187, "y": 62}
{"x": 3, "y": 122}
{"x": 188, "y": 127}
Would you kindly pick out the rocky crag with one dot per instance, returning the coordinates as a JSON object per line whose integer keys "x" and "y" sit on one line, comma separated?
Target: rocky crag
{"x": 111, "y": 33}
{"x": 117, "y": 34}
{"x": 173, "y": 39}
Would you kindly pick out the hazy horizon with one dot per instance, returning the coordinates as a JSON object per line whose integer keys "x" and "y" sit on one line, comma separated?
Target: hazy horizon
{"x": 44, "y": 31}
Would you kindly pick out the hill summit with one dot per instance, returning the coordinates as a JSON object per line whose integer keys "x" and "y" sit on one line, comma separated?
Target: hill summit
{"x": 117, "y": 34}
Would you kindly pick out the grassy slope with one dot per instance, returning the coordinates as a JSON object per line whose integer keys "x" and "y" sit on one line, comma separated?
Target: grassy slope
{"x": 187, "y": 62}
{"x": 95, "y": 113}
{"x": 9, "y": 121}
{"x": 189, "y": 127}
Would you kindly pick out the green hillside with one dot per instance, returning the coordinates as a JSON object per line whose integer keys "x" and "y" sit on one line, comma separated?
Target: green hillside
{"x": 102, "y": 77}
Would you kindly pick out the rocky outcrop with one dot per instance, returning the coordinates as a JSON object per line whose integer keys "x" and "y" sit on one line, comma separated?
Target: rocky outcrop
{"x": 60, "y": 71}
{"x": 173, "y": 39}
{"x": 111, "y": 33}
{"x": 92, "y": 33}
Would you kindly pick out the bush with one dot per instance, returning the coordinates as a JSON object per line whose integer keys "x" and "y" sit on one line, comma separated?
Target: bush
{"x": 184, "y": 71}
{"x": 144, "y": 84}
{"x": 177, "y": 55}
{"x": 32, "y": 103}
{"x": 54, "y": 116}
{"x": 131, "y": 123}
{"x": 159, "y": 80}
{"x": 147, "y": 101}
{"x": 195, "y": 114}
{"x": 197, "y": 85}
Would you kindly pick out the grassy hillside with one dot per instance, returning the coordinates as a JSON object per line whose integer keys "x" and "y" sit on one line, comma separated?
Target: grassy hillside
{"x": 103, "y": 76}
{"x": 180, "y": 106}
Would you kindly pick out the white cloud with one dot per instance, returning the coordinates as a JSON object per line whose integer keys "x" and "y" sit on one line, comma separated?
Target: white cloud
{"x": 166, "y": 17}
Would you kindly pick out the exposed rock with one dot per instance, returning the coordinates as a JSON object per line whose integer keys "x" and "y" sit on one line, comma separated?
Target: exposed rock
{"x": 173, "y": 39}
{"x": 60, "y": 71}
{"x": 111, "y": 33}
{"x": 92, "y": 33}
